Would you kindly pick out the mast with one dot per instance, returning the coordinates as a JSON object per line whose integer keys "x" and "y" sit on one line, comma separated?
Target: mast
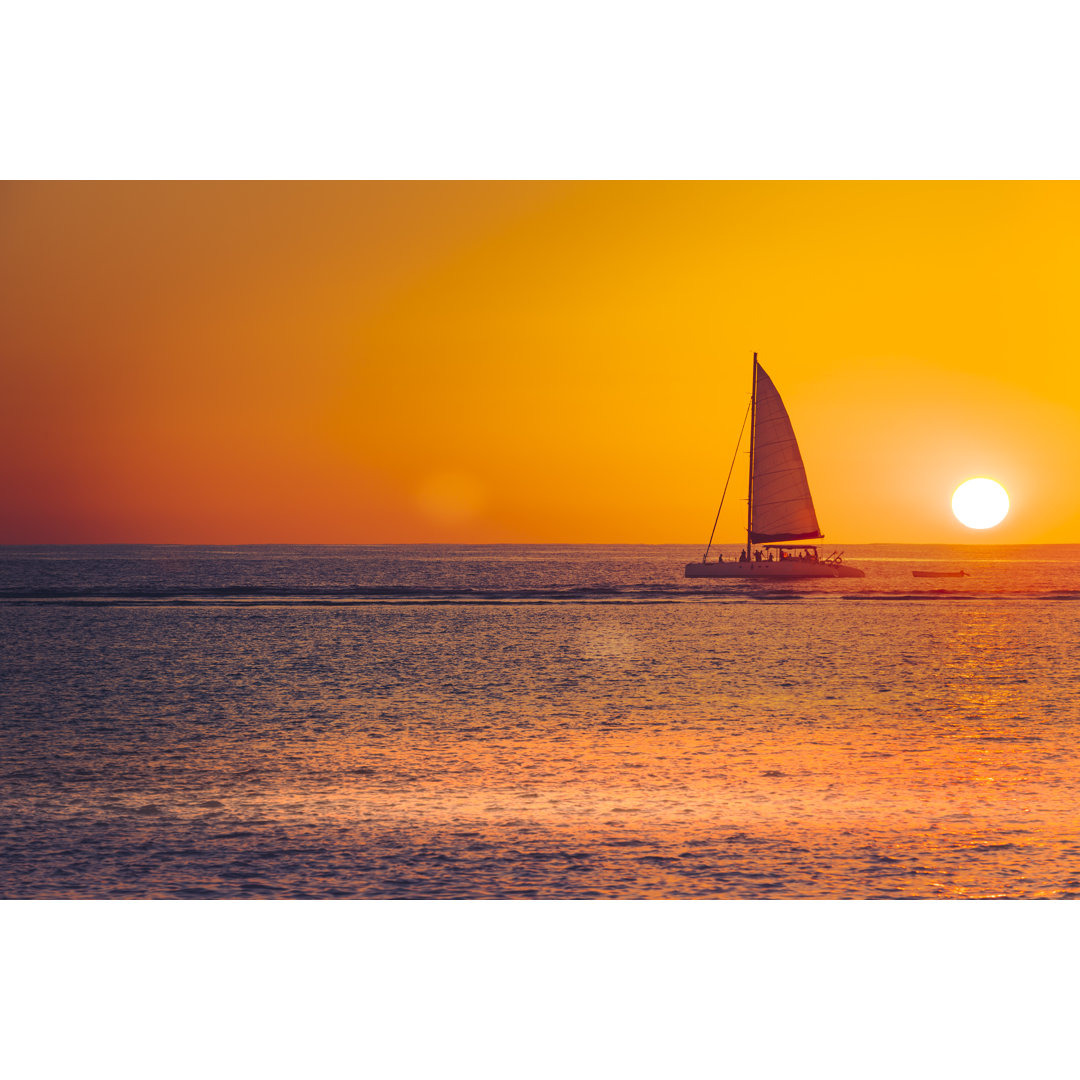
{"x": 750, "y": 478}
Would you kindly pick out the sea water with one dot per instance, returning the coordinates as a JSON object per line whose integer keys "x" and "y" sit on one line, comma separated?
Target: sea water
{"x": 467, "y": 722}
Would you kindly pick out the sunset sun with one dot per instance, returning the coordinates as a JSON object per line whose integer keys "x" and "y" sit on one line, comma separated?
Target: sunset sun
{"x": 980, "y": 503}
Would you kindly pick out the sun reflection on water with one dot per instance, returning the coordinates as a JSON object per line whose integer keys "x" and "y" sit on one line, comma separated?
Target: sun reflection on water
{"x": 679, "y": 751}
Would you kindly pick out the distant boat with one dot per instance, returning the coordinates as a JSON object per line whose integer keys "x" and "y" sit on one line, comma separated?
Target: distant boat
{"x": 780, "y": 511}
{"x": 940, "y": 573}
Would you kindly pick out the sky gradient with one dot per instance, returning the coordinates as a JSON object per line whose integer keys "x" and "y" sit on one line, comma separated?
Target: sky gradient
{"x": 529, "y": 362}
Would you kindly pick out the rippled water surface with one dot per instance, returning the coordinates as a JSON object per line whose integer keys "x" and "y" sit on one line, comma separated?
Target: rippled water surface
{"x": 425, "y": 722}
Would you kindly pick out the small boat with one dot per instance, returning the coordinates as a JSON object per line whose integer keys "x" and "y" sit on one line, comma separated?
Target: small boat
{"x": 780, "y": 516}
{"x": 940, "y": 573}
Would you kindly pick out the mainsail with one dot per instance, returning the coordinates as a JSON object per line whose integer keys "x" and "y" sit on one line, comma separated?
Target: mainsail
{"x": 780, "y": 504}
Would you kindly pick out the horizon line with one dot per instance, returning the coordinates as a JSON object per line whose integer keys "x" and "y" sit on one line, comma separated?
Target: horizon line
{"x": 514, "y": 543}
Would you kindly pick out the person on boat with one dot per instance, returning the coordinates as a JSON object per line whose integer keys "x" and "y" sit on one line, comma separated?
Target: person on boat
{"x": 720, "y": 557}
{"x": 742, "y": 556}
{"x": 757, "y": 555}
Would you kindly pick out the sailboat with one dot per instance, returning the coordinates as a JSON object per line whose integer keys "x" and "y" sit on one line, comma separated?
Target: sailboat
{"x": 780, "y": 516}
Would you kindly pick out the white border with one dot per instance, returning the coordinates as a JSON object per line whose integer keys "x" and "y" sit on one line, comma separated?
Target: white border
{"x": 564, "y": 89}
{"x": 536, "y": 989}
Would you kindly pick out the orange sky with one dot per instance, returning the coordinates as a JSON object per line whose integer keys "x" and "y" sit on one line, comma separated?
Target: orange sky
{"x": 487, "y": 362}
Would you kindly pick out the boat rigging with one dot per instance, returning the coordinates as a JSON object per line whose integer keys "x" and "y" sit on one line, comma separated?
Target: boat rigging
{"x": 780, "y": 515}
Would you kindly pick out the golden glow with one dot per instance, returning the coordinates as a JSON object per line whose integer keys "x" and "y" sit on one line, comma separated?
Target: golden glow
{"x": 520, "y": 362}
{"x": 980, "y": 503}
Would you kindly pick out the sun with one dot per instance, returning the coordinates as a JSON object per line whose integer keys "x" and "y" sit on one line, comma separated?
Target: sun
{"x": 980, "y": 503}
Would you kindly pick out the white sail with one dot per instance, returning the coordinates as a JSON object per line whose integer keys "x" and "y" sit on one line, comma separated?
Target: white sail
{"x": 780, "y": 504}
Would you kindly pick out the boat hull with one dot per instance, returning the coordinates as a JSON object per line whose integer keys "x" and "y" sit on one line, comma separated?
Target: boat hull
{"x": 782, "y": 570}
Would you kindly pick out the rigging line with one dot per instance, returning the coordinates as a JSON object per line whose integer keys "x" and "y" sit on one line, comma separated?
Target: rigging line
{"x": 723, "y": 494}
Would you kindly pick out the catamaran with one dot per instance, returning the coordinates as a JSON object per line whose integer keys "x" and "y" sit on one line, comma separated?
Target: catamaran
{"x": 780, "y": 517}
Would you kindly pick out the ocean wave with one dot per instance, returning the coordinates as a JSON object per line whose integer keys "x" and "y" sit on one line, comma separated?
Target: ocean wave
{"x": 965, "y": 594}
{"x": 359, "y": 595}
{"x": 370, "y": 595}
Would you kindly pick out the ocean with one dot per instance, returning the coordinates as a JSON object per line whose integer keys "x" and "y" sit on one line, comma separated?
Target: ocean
{"x": 427, "y": 722}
